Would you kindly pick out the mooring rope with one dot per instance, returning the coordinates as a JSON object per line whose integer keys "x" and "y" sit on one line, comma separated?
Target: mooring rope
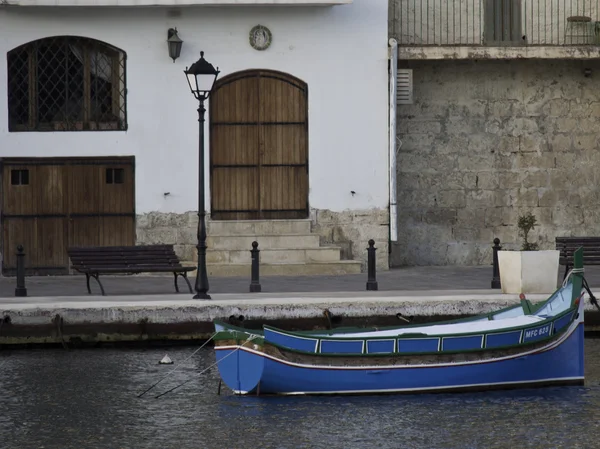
{"x": 593, "y": 299}
{"x": 252, "y": 337}
{"x": 572, "y": 271}
{"x": 174, "y": 369}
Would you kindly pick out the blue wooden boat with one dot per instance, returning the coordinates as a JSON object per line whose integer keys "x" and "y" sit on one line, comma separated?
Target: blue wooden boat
{"x": 525, "y": 345}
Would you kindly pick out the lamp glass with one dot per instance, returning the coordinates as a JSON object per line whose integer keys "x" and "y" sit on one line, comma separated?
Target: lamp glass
{"x": 201, "y": 77}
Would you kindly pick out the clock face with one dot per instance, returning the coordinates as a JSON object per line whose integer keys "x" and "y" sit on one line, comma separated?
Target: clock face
{"x": 260, "y": 37}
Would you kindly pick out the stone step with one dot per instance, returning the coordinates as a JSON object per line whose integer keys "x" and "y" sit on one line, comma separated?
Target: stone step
{"x": 258, "y": 227}
{"x": 244, "y": 242}
{"x": 278, "y": 255}
{"x": 285, "y": 269}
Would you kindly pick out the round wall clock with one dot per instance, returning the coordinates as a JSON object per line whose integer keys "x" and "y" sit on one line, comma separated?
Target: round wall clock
{"x": 260, "y": 37}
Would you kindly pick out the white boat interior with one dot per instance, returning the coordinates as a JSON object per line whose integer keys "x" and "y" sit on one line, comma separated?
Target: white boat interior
{"x": 514, "y": 317}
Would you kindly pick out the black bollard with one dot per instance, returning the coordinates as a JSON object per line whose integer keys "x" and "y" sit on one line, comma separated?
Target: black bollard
{"x": 496, "y": 268}
{"x": 255, "y": 282}
{"x": 20, "y": 290}
{"x": 371, "y": 275}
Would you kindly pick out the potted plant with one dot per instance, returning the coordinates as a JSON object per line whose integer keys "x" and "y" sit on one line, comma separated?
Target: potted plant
{"x": 529, "y": 270}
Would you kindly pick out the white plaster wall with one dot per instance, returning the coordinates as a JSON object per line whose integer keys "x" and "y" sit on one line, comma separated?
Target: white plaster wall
{"x": 341, "y": 52}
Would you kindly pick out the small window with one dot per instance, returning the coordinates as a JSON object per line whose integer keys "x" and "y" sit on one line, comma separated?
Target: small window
{"x": 503, "y": 22}
{"x": 115, "y": 176}
{"x": 19, "y": 177}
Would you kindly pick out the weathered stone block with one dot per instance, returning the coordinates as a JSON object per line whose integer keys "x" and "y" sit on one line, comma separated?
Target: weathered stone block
{"x": 537, "y": 178}
{"x": 499, "y": 216}
{"x": 526, "y": 197}
{"x": 477, "y": 234}
{"x": 476, "y": 162}
{"x": 566, "y": 125}
{"x": 451, "y": 199}
{"x": 424, "y": 127}
{"x": 187, "y": 235}
{"x": 471, "y": 217}
{"x": 503, "y": 198}
{"x": 567, "y": 214}
{"x": 519, "y": 126}
{"x": 468, "y": 253}
{"x": 441, "y": 216}
{"x": 552, "y": 197}
{"x": 535, "y": 160}
{"x": 585, "y": 142}
{"x": 160, "y": 235}
{"x": 445, "y": 145}
{"x": 142, "y": 221}
{"x": 479, "y": 198}
{"x": 503, "y": 161}
{"x": 416, "y": 142}
{"x": 510, "y": 179}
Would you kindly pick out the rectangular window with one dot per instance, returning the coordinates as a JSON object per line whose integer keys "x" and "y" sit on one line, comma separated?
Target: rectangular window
{"x": 503, "y": 23}
{"x": 19, "y": 177}
{"x": 115, "y": 175}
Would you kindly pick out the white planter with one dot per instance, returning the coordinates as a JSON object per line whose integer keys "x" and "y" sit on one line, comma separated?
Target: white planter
{"x": 528, "y": 271}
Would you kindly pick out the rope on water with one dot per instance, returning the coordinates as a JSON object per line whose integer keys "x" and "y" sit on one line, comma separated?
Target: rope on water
{"x": 252, "y": 337}
{"x": 174, "y": 369}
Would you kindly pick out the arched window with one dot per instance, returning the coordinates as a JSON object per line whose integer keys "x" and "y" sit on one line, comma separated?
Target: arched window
{"x": 66, "y": 83}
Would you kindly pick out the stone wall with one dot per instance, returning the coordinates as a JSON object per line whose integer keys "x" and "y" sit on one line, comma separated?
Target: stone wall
{"x": 486, "y": 141}
{"x": 350, "y": 230}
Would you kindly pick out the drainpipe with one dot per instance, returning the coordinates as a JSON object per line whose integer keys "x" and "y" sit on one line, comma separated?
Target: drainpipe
{"x": 393, "y": 54}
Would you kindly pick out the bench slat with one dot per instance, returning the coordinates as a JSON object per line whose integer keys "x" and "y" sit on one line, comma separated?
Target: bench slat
{"x": 568, "y": 245}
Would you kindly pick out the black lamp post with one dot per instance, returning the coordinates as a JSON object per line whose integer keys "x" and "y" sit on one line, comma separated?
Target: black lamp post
{"x": 201, "y": 77}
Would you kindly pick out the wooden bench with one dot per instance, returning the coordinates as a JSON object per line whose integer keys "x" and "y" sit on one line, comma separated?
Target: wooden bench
{"x": 568, "y": 245}
{"x": 97, "y": 260}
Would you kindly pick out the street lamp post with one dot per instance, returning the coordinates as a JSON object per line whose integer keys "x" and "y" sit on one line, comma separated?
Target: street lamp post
{"x": 201, "y": 77}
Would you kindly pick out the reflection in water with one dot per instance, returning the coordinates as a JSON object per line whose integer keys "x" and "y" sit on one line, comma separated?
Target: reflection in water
{"x": 88, "y": 399}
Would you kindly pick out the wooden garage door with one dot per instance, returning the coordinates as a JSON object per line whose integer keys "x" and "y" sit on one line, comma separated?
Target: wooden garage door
{"x": 259, "y": 147}
{"x": 51, "y": 204}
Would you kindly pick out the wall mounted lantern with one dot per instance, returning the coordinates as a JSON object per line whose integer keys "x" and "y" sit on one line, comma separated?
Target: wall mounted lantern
{"x": 174, "y": 43}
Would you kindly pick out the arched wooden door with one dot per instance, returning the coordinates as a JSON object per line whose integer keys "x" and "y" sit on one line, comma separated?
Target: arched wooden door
{"x": 259, "y": 147}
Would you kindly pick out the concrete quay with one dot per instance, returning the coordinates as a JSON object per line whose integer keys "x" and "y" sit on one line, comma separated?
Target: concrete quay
{"x": 56, "y": 312}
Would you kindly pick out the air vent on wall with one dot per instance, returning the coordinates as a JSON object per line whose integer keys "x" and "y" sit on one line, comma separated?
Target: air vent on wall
{"x": 404, "y": 92}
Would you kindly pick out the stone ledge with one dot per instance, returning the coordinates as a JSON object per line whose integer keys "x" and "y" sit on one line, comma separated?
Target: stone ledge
{"x": 480, "y": 52}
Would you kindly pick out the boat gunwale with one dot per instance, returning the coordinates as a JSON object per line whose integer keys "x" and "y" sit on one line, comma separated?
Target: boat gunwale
{"x": 542, "y": 322}
{"x": 544, "y": 344}
{"x": 410, "y": 354}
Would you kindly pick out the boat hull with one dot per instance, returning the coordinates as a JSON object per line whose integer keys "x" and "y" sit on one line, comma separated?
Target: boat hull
{"x": 247, "y": 369}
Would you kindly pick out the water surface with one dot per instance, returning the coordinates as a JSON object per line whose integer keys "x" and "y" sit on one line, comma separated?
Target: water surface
{"x": 87, "y": 399}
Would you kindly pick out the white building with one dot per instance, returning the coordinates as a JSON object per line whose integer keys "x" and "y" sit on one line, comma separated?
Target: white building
{"x": 99, "y": 131}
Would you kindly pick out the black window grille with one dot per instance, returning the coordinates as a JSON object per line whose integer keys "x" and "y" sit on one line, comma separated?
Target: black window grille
{"x": 115, "y": 176}
{"x": 66, "y": 83}
{"x": 19, "y": 177}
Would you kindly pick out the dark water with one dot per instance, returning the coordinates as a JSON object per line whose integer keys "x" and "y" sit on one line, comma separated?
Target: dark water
{"x": 87, "y": 399}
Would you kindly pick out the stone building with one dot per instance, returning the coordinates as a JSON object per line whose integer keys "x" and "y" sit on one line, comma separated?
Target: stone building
{"x": 498, "y": 114}
{"x": 99, "y": 131}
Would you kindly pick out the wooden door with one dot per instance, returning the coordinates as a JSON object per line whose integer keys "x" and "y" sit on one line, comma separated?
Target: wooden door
{"x": 259, "y": 147}
{"x": 50, "y": 204}
{"x": 101, "y": 203}
{"x": 34, "y": 214}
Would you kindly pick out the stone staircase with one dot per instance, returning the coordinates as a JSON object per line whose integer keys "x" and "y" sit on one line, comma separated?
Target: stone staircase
{"x": 287, "y": 247}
